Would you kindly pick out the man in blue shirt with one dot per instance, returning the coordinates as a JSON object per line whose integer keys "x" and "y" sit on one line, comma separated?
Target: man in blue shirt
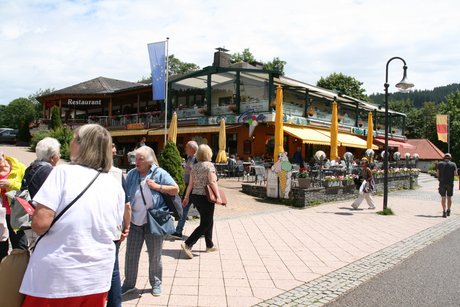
{"x": 190, "y": 149}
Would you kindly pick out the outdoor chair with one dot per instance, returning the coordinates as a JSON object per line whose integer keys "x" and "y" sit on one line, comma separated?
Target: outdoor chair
{"x": 260, "y": 174}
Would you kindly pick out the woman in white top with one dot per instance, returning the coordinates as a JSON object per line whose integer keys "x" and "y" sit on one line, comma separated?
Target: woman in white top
{"x": 72, "y": 265}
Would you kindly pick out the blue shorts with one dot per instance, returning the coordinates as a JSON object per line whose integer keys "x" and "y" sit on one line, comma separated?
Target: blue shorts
{"x": 446, "y": 190}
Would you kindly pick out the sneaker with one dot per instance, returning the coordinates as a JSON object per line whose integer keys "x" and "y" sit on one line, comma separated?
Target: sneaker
{"x": 177, "y": 236}
{"x": 444, "y": 214}
{"x": 211, "y": 249}
{"x": 371, "y": 208}
{"x": 448, "y": 212}
{"x": 156, "y": 291}
{"x": 354, "y": 207}
{"x": 126, "y": 290}
{"x": 187, "y": 250}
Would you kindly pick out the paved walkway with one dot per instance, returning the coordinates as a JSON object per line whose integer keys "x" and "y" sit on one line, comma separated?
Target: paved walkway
{"x": 273, "y": 255}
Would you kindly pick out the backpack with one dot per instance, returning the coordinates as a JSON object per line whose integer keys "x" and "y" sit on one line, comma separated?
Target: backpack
{"x": 21, "y": 207}
{"x": 174, "y": 202}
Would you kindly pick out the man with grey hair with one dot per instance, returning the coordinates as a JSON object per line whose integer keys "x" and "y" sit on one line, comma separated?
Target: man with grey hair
{"x": 48, "y": 155}
{"x": 445, "y": 172}
{"x": 190, "y": 149}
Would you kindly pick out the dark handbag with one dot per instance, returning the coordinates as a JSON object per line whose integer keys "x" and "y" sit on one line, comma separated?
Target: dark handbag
{"x": 160, "y": 222}
{"x": 13, "y": 266}
{"x": 174, "y": 202}
{"x": 212, "y": 197}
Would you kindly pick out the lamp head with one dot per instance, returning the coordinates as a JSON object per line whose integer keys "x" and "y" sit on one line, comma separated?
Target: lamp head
{"x": 404, "y": 84}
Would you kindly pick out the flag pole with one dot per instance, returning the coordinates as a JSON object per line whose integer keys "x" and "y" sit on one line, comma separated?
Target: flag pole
{"x": 166, "y": 90}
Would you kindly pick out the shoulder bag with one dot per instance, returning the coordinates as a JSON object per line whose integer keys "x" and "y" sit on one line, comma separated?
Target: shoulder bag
{"x": 160, "y": 222}
{"x": 212, "y": 197}
{"x": 13, "y": 266}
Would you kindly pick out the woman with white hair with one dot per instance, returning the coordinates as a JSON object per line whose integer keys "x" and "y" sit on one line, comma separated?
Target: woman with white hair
{"x": 48, "y": 155}
{"x": 73, "y": 262}
{"x": 145, "y": 184}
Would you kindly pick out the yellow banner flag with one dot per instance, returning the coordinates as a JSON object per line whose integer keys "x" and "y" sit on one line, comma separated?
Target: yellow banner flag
{"x": 442, "y": 127}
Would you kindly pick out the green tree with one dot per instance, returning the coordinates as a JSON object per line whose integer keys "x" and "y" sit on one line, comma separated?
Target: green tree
{"x": 276, "y": 65}
{"x": 175, "y": 67}
{"x": 344, "y": 84}
{"x": 56, "y": 121}
{"x": 245, "y": 56}
{"x": 38, "y": 106}
{"x": 171, "y": 161}
{"x": 17, "y": 112}
{"x": 451, "y": 107}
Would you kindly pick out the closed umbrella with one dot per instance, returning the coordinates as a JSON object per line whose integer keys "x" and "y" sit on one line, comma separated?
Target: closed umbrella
{"x": 221, "y": 155}
{"x": 334, "y": 132}
{"x": 279, "y": 133}
{"x": 370, "y": 131}
{"x": 172, "y": 132}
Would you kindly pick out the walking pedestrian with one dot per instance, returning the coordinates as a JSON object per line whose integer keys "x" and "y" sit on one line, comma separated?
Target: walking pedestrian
{"x": 202, "y": 174}
{"x": 446, "y": 171}
{"x": 190, "y": 149}
{"x": 367, "y": 186}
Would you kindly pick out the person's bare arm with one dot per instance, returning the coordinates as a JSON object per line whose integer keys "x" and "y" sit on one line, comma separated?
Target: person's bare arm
{"x": 42, "y": 218}
{"x": 126, "y": 221}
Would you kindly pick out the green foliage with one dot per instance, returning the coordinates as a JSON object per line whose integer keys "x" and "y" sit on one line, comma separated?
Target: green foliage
{"x": 171, "y": 161}
{"x": 17, "y": 112}
{"x": 344, "y": 84}
{"x": 245, "y": 56}
{"x": 419, "y": 97}
{"x": 64, "y": 136}
{"x": 37, "y": 137}
{"x": 386, "y": 211}
{"x": 24, "y": 132}
{"x": 37, "y": 104}
{"x": 276, "y": 65}
{"x": 55, "y": 121}
{"x": 451, "y": 107}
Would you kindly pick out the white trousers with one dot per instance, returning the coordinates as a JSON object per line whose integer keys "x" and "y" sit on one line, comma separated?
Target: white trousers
{"x": 361, "y": 197}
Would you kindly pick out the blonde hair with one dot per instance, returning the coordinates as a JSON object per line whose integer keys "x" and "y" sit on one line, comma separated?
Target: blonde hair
{"x": 95, "y": 147}
{"x": 204, "y": 153}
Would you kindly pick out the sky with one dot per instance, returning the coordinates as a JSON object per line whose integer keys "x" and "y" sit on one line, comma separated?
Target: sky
{"x": 55, "y": 44}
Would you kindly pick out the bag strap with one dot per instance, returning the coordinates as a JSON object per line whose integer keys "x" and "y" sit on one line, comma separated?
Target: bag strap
{"x": 66, "y": 208}
{"x": 140, "y": 186}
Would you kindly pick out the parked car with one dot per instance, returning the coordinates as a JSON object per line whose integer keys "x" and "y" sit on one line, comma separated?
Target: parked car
{"x": 8, "y": 135}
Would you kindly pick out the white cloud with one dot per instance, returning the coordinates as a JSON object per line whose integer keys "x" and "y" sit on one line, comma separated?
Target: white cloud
{"x": 54, "y": 44}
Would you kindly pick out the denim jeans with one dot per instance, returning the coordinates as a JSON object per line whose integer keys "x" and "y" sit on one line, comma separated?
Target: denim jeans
{"x": 181, "y": 223}
{"x": 114, "y": 295}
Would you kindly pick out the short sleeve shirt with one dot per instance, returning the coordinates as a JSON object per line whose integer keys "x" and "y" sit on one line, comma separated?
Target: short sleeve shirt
{"x": 447, "y": 171}
{"x": 200, "y": 176}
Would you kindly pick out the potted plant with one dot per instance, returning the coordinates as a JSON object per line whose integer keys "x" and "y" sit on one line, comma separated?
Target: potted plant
{"x": 304, "y": 178}
{"x": 332, "y": 181}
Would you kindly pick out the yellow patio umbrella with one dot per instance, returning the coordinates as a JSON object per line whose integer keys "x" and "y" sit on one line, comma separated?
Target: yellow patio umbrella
{"x": 334, "y": 132}
{"x": 279, "y": 133}
{"x": 221, "y": 155}
{"x": 370, "y": 131}
{"x": 172, "y": 131}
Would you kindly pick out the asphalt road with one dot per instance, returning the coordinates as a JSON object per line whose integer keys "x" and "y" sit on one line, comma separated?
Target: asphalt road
{"x": 430, "y": 277}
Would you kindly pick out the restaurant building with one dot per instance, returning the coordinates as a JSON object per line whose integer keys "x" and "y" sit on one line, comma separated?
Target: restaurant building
{"x": 243, "y": 94}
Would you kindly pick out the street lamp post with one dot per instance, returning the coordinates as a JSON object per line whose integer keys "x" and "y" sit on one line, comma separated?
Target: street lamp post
{"x": 404, "y": 84}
